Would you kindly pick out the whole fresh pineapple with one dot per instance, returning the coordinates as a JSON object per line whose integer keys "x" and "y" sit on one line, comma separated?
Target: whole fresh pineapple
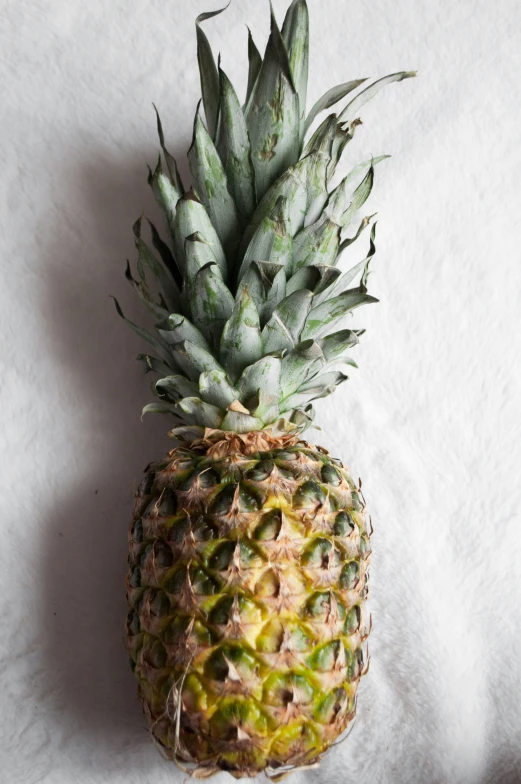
{"x": 249, "y": 548}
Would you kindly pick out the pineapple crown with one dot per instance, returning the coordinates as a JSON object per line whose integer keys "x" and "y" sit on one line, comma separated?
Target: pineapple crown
{"x": 249, "y": 291}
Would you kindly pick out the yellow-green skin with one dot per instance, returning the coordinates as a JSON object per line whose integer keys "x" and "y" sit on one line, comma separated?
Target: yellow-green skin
{"x": 246, "y": 590}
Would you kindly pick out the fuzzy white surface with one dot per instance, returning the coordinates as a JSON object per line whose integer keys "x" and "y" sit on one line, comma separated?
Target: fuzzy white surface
{"x": 430, "y": 421}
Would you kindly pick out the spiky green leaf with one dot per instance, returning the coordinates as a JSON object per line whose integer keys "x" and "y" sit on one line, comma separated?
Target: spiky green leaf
{"x": 271, "y": 240}
{"x": 215, "y": 388}
{"x": 211, "y": 303}
{"x": 241, "y": 343}
{"x": 161, "y": 274}
{"x": 173, "y": 388}
{"x": 254, "y": 65}
{"x": 240, "y": 423}
{"x": 142, "y": 290}
{"x": 333, "y": 346}
{"x": 208, "y": 71}
{"x": 330, "y": 98}
{"x": 199, "y": 253}
{"x": 211, "y": 185}
{"x": 264, "y": 374}
{"x": 171, "y": 163}
{"x": 177, "y": 328}
{"x": 267, "y": 285}
{"x": 233, "y": 145}
{"x": 331, "y": 311}
{"x": 272, "y": 115}
{"x": 295, "y": 34}
{"x": 165, "y": 193}
{"x": 300, "y": 363}
{"x": 194, "y": 360}
{"x": 160, "y": 347}
{"x": 284, "y": 327}
{"x": 197, "y": 412}
{"x": 191, "y": 218}
{"x": 351, "y": 110}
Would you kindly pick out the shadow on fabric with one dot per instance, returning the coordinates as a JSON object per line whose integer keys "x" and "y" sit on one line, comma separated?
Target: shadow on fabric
{"x": 89, "y": 690}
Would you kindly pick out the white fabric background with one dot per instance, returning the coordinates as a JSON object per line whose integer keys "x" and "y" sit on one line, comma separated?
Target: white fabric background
{"x": 430, "y": 421}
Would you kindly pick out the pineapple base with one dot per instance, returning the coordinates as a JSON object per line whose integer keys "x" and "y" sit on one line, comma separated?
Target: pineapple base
{"x": 247, "y": 585}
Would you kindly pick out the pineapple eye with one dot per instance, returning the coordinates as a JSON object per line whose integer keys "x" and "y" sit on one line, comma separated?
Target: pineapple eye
{"x": 159, "y": 604}
{"x": 323, "y": 658}
{"x": 308, "y": 495}
{"x": 261, "y": 472}
{"x": 167, "y": 504}
{"x": 268, "y": 584}
{"x": 174, "y": 584}
{"x": 203, "y": 584}
{"x": 316, "y": 555}
{"x": 137, "y": 531}
{"x": 155, "y": 655}
{"x": 220, "y": 615}
{"x": 146, "y": 485}
{"x": 356, "y": 664}
{"x": 352, "y": 623}
{"x": 177, "y": 531}
{"x": 330, "y": 476}
{"x": 343, "y": 525}
{"x": 269, "y": 528}
{"x": 330, "y": 706}
{"x": 222, "y": 556}
{"x": 132, "y": 623}
{"x": 289, "y": 457}
{"x": 163, "y": 557}
{"x": 349, "y": 576}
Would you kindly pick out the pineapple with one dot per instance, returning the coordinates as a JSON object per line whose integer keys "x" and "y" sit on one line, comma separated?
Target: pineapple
{"x": 249, "y": 548}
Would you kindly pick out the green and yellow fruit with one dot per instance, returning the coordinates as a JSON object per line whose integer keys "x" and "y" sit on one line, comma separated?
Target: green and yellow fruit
{"x": 249, "y": 548}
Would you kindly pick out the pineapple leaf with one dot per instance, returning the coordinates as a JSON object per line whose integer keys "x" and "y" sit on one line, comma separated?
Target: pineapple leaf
{"x": 334, "y": 345}
{"x": 241, "y": 343}
{"x": 233, "y": 145}
{"x": 359, "y": 197}
{"x": 208, "y": 72}
{"x": 191, "y": 218}
{"x": 141, "y": 288}
{"x": 317, "y": 244}
{"x": 197, "y": 412}
{"x": 160, "y": 273}
{"x": 160, "y": 408}
{"x": 172, "y": 388}
{"x": 177, "y": 328}
{"x": 211, "y": 185}
{"x": 298, "y": 365}
{"x": 271, "y": 241}
{"x": 215, "y": 388}
{"x": 194, "y": 360}
{"x": 364, "y": 223}
{"x": 295, "y": 34}
{"x": 284, "y": 327}
{"x": 272, "y": 115}
{"x": 211, "y": 303}
{"x": 154, "y": 365}
{"x": 166, "y": 255}
{"x": 165, "y": 193}
{"x": 351, "y": 110}
{"x": 329, "y": 312}
{"x": 199, "y": 253}
{"x": 317, "y": 387}
{"x": 171, "y": 163}
{"x": 240, "y": 423}
{"x": 254, "y": 65}
{"x": 315, "y": 277}
{"x": 161, "y": 349}
{"x": 329, "y": 99}
{"x": 267, "y": 285}
{"x": 264, "y": 374}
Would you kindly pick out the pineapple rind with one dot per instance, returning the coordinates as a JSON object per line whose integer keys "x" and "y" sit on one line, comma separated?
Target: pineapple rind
{"x": 247, "y": 585}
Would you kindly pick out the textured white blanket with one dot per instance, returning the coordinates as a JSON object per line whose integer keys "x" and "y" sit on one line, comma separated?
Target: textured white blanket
{"x": 430, "y": 421}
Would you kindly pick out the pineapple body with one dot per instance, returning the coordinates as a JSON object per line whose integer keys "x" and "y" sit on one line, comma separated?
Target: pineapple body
{"x": 246, "y": 587}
